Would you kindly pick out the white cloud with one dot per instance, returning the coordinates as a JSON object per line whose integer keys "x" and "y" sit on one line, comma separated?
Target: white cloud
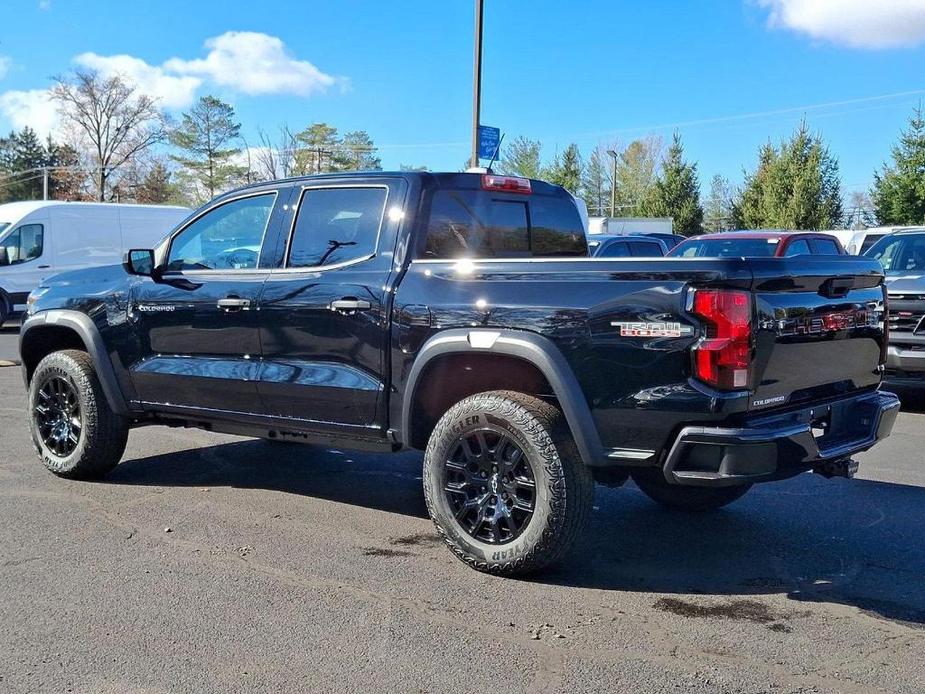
{"x": 34, "y": 108}
{"x": 254, "y": 63}
{"x": 855, "y": 23}
{"x": 171, "y": 91}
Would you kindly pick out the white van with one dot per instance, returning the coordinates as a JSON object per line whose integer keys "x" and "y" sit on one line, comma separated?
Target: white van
{"x": 40, "y": 239}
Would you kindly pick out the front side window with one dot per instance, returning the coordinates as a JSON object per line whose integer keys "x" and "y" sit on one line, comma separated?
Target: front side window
{"x": 227, "y": 237}
{"x": 23, "y": 244}
{"x": 901, "y": 254}
{"x": 336, "y": 225}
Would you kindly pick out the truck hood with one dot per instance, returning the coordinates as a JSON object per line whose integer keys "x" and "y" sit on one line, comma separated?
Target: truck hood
{"x": 905, "y": 284}
{"x": 105, "y": 274}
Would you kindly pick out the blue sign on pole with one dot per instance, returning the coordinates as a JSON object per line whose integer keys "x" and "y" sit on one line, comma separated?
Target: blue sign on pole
{"x": 489, "y": 138}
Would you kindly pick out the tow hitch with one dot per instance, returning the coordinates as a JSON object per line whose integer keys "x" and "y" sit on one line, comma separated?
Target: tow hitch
{"x": 846, "y": 467}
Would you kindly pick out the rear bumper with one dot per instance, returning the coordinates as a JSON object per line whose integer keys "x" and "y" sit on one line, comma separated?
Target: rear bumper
{"x": 780, "y": 445}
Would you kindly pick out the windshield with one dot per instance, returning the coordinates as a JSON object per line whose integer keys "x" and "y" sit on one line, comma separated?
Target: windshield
{"x": 725, "y": 248}
{"x": 900, "y": 254}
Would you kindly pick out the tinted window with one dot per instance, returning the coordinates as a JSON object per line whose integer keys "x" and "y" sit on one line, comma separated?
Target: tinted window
{"x": 479, "y": 224}
{"x": 798, "y": 247}
{"x": 336, "y": 225}
{"x": 227, "y": 237}
{"x": 25, "y": 243}
{"x": 724, "y": 248}
{"x": 643, "y": 249}
{"x": 900, "y": 254}
{"x": 616, "y": 249}
{"x": 825, "y": 247}
{"x": 869, "y": 241}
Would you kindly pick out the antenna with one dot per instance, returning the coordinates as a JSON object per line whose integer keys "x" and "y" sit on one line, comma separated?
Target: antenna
{"x": 495, "y": 155}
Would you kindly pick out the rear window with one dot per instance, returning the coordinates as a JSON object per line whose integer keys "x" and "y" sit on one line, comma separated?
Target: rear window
{"x": 481, "y": 224}
{"x": 725, "y": 248}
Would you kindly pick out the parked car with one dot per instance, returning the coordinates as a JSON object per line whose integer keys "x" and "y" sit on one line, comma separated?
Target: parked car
{"x": 757, "y": 244}
{"x": 863, "y": 240}
{"x": 626, "y": 247}
{"x": 460, "y": 314}
{"x": 902, "y": 255}
{"x": 670, "y": 240}
{"x": 39, "y": 239}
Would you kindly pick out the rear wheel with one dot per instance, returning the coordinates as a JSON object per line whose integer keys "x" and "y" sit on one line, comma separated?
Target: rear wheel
{"x": 504, "y": 483}
{"x": 73, "y": 429}
{"x": 682, "y": 498}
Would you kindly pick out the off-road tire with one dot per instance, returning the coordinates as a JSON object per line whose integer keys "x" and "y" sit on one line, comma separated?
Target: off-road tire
{"x": 564, "y": 489}
{"x": 683, "y": 498}
{"x": 103, "y": 434}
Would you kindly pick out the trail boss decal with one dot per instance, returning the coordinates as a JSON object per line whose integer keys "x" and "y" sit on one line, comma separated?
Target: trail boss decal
{"x": 640, "y": 329}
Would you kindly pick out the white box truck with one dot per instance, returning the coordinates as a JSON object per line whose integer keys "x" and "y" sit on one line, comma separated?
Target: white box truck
{"x": 43, "y": 238}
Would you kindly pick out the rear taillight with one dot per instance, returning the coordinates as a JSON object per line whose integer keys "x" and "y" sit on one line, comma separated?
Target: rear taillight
{"x": 722, "y": 358}
{"x": 510, "y": 184}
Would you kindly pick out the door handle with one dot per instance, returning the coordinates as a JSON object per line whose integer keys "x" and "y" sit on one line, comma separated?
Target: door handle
{"x": 350, "y": 304}
{"x": 233, "y": 304}
{"x": 44, "y": 267}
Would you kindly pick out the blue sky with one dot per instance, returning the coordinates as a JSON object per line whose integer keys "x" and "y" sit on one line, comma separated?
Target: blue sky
{"x": 726, "y": 75}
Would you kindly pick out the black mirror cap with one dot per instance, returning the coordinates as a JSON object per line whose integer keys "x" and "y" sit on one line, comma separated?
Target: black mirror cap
{"x": 139, "y": 261}
{"x": 4, "y": 258}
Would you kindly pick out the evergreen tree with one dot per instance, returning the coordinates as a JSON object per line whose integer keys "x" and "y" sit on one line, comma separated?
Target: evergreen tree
{"x": 676, "y": 193}
{"x": 899, "y": 191}
{"x": 317, "y": 146}
{"x": 595, "y": 182}
{"x": 637, "y": 165}
{"x": 795, "y": 186}
{"x": 566, "y": 169}
{"x": 22, "y": 158}
{"x": 156, "y": 187}
{"x": 717, "y": 214}
{"x": 207, "y": 137}
{"x": 356, "y": 152}
{"x": 522, "y": 158}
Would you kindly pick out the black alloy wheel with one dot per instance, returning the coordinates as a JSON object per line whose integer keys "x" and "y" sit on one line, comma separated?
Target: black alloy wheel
{"x": 490, "y": 486}
{"x": 57, "y": 415}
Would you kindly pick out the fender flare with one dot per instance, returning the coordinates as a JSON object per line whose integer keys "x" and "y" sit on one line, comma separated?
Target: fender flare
{"x": 87, "y": 331}
{"x": 533, "y": 348}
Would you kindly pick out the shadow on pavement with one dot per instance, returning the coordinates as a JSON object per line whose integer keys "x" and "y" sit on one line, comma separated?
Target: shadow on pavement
{"x": 853, "y": 542}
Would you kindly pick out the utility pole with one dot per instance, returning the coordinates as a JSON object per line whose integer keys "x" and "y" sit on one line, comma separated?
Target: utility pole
{"x": 613, "y": 184}
{"x": 477, "y": 83}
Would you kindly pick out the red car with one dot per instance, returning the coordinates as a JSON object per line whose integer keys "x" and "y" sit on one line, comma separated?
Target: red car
{"x": 742, "y": 244}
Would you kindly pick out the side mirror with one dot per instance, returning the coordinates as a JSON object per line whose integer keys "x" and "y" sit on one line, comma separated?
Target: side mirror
{"x": 4, "y": 258}
{"x": 139, "y": 261}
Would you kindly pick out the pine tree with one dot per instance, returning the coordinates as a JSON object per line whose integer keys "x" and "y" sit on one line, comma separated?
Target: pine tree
{"x": 317, "y": 146}
{"x": 356, "y": 152}
{"x": 637, "y": 164}
{"x": 717, "y": 213}
{"x": 566, "y": 169}
{"x": 207, "y": 138}
{"x": 595, "y": 182}
{"x": 156, "y": 187}
{"x": 795, "y": 186}
{"x": 899, "y": 191}
{"x": 522, "y": 158}
{"x": 676, "y": 192}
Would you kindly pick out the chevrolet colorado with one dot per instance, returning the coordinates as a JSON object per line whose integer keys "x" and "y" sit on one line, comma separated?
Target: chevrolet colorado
{"x": 459, "y": 314}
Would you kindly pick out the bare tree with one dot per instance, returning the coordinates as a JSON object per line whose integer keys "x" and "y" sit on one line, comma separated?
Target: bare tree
{"x": 114, "y": 122}
{"x": 275, "y": 159}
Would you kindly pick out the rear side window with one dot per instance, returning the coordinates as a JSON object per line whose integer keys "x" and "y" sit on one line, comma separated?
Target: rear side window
{"x": 825, "y": 247}
{"x": 480, "y": 224}
{"x": 617, "y": 249}
{"x": 643, "y": 249}
{"x": 336, "y": 225}
{"x": 798, "y": 247}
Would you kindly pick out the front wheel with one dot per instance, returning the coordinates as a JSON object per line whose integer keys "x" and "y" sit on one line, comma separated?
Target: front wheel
{"x": 681, "y": 498}
{"x": 504, "y": 483}
{"x": 74, "y": 430}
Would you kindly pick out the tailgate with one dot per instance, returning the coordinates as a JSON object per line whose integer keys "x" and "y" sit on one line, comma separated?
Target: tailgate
{"x": 819, "y": 328}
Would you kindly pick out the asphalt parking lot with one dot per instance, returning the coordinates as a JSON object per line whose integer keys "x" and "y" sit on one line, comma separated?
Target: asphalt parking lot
{"x": 207, "y": 563}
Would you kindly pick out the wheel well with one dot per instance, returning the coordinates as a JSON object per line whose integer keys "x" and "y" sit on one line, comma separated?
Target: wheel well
{"x": 39, "y": 342}
{"x": 450, "y": 378}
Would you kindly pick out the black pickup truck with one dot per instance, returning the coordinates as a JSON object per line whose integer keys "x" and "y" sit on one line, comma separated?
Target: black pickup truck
{"x": 459, "y": 314}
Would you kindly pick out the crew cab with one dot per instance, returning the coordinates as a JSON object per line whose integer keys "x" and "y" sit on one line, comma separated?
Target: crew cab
{"x": 460, "y": 314}
{"x": 777, "y": 244}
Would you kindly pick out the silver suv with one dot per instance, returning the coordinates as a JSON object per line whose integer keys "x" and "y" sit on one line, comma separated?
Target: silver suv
{"x": 902, "y": 255}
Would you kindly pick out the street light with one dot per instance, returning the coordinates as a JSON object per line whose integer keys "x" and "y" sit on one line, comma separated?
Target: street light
{"x": 477, "y": 84}
{"x": 613, "y": 184}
